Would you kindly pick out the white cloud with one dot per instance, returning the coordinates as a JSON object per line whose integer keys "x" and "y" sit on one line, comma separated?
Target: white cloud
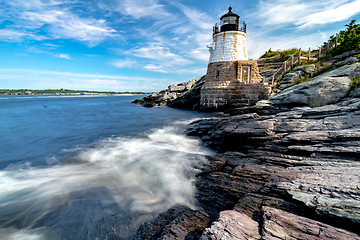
{"x": 64, "y": 24}
{"x": 198, "y": 19}
{"x": 50, "y": 19}
{"x": 51, "y": 45}
{"x": 17, "y": 35}
{"x": 123, "y": 63}
{"x": 323, "y": 35}
{"x": 163, "y": 57}
{"x": 198, "y": 71}
{"x": 155, "y": 68}
{"x": 7, "y": 34}
{"x": 63, "y": 55}
{"x": 154, "y": 52}
{"x": 201, "y": 54}
{"x": 331, "y": 15}
{"x": 142, "y": 8}
{"x": 306, "y": 14}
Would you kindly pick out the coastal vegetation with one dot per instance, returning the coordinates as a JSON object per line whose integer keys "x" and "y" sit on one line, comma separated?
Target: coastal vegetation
{"x": 60, "y": 92}
{"x": 348, "y": 39}
{"x": 354, "y": 83}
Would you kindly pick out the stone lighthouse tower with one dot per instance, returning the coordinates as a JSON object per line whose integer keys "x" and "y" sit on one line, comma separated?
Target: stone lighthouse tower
{"x": 231, "y": 79}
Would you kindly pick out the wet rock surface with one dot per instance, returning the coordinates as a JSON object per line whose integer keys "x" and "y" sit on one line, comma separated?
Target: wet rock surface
{"x": 289, "y": 175}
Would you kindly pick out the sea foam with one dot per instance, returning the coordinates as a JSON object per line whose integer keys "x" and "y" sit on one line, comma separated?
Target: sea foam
{"x": 143, "y": 175}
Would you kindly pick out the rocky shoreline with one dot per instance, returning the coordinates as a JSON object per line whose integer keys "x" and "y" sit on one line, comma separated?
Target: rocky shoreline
{"x": 287, "y": 168}
{"x": 185, "y": 95}
{"x": 291, "y": 175}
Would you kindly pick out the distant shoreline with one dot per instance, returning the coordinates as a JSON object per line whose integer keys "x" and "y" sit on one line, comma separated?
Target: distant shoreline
{"x": 63, "y": 92}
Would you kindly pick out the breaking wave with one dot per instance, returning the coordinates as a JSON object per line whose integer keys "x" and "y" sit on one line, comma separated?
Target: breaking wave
{"x": 118, "y": 178}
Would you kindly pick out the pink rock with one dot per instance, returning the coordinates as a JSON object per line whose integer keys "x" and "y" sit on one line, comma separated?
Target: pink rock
{"x": 279, "y": 224}
{"x": 232, "y": 225}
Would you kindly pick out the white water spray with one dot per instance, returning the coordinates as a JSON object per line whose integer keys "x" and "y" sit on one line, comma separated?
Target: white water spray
{"x": 144, "y": 175}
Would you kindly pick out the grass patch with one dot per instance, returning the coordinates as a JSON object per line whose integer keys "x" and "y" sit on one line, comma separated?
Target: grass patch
{"x": 354, "y": 83}
{"x": 322, "y": 70}
{"x": 302, "y": 80}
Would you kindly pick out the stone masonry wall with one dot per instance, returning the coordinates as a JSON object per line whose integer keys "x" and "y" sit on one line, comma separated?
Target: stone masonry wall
{"x": 228, "y": 73}
{"x": 226, "y": 90}
{"x": 233, "y": 96}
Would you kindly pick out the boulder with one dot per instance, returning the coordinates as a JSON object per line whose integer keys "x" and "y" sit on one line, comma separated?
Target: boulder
{"x": 306, "y": 70}
{"x": 283, "y": 225}
{"x": 355, "y": 92}
{"x": 289, "y": 80}
{"x": 348, "y": 61}
{"x": 190, "y": 84}
{"x": 191, "y": 98}
{"x": 176, "y": 88}
{"x": 324, "y": 89}
{"x": 177, "y": 223}
{"x": 331, "y": 191}
{"x": 184, "y": 95}
{"x": 232, "y": 225}
{"x": 297, "y": 73}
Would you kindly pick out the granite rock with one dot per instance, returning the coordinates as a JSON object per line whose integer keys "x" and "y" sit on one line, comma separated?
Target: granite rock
{"x": 278, "y": 224}
{"x": 232, "y": 225}
{"x": 182, "y": 95}
{"x": 324, "y": 89}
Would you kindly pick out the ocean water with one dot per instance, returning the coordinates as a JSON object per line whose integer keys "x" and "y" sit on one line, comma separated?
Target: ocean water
{"x": 87, "y": 167}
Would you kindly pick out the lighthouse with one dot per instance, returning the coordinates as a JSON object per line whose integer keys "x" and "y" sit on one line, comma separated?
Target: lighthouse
{"x": 231, "y": 79}
{"x": 229, "y": 39}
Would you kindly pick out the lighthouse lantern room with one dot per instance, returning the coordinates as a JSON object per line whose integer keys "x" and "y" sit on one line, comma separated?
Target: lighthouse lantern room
{"x": 229, "y": 67}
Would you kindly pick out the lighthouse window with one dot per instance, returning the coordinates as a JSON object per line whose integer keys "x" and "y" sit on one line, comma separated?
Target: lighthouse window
{"x": 218, "y": 71}
{"x": 229, "y": 20}
{"x": 246, "y": 74}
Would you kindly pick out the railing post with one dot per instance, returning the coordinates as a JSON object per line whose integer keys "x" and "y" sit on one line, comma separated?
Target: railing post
{"x": 273, "y": 78}
{"x": 319, "y": 51}
{"x": 299, "y": 55}
{"x": 292, "y": 61}
{"x": 309, "y": 54}
{"x": 284, "y": 66}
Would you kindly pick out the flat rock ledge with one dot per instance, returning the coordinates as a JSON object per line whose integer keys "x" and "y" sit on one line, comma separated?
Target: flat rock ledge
{"x": 289, "y": 175}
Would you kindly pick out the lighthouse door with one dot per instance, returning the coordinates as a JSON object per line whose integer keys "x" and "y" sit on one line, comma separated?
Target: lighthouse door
{"x": 246, "y": 74}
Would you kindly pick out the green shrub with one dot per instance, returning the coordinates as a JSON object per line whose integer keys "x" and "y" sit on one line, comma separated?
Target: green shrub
{"x": 302, "y": 80}
{"x": 349, "y": 40}
{"x": 354, "y": 83}
{"x": 322, "y": 70}
{"x": 285, "y": 54}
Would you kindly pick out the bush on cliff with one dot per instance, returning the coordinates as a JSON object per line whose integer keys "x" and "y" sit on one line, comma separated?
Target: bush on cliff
{"x": 354, "y": 83}
{"x": 349, "y": 39}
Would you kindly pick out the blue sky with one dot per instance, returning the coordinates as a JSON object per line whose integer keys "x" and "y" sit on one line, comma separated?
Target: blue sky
{"x": 145, "y": 45}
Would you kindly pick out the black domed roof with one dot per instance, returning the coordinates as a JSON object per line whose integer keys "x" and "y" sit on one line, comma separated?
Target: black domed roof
{"x": 230, "y": 13}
